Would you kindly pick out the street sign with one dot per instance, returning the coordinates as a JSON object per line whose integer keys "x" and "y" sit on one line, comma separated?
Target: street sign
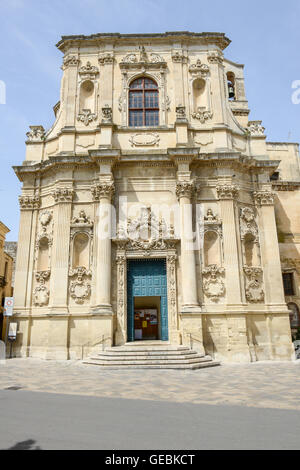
{"x": 8, "y": 306}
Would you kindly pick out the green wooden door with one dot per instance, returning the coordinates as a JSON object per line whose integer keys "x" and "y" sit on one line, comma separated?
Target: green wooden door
{"x": 147, "y": 278}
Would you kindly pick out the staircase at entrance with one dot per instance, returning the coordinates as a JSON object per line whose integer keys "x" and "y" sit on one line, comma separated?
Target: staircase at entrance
{"x": 151, "y": 355}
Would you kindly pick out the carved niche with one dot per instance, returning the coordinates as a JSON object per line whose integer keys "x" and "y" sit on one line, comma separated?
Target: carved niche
{"x": 253, "y": 273}
{"x": 42, "y": 259}
{"x": 87, "y": 94}
{"x": 200, "y": 94}
{"x": 135, "y": 65}
{"x": 81, "y": 257}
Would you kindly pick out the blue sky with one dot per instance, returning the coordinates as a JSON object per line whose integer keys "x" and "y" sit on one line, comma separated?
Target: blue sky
{"x": 265, "y": 37}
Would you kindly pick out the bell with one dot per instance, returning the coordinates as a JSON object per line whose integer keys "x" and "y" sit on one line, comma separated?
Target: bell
{"x": 231, "y": 91}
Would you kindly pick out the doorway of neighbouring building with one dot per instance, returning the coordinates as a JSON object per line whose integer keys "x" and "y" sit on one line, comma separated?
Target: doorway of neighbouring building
{"x": 147, "y": 305}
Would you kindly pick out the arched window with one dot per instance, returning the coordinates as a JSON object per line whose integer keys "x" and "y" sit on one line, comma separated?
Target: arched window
{"x": 143, "y": 103}
{"x": 231, "y": 85}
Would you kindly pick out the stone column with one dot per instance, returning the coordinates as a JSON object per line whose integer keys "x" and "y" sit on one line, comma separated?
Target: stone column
{"x": 184, "y": 191}
{"x": 28, "y": 204}
{"x": 227, "y": 195}
{"x": 103, "y": 192}
{"x": 237, "y": 341}
{"x": 60, "y": 252}
{"x": 274, "y": 293}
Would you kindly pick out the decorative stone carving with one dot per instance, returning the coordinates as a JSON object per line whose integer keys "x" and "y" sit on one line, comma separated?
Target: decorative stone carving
{"x": 254, "y": 284}
{"x": 29, "y": 202}
{"x": 70, "y": 61}
{"x": 86, "y": 116}
{"x": 204, "y": 139}
{"x": 107, "y": 114}
{"x": 213, "y": 285}
{"x": 132, "y": 60}
{"x": 199, "y": 69}
{"x": 36, "y": 134}
{"x": 248, "y": 223}
{"x": 88, "y": 71}
{"x": 63, "y": 195}
{"x": 202, "y": 115}
{"x": 172, "y": 289}
{"x": 103, "y": 190}
{"x": 144, "y": 140}
{"x": 121, "y": 295}
{"x": 264, "y": 198}
{"x": 82, "y": 219}
{"x": 146, "y": 233}
{"x": 180, "y": 113}
{"x": 291, "y": 263}
{"x": 41, "y": 292}
{"x": 185, "y": 189}
{"x": 107, "y": 58}
{"x": 45, "y": 219}
{"x": 227, "y": 191}
{"x": 210, "y": 217}
{"x": 80, "y": 289}
{"x": 215, "y": 58}
{"x": 178, "y": 57}
{"x": 256, "y": 129}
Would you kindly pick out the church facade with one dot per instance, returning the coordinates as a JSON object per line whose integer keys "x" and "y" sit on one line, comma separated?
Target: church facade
{"x": 153, "y": 209}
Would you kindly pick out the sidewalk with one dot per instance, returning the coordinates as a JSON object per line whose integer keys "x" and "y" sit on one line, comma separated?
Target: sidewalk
{"x": 264, "y": 385}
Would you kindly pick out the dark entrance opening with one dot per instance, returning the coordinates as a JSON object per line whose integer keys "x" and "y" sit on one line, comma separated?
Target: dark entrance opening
{"x": 146, "y": 318}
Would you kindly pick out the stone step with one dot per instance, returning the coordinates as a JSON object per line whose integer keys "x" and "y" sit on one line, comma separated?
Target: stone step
{"x": 147, "y": 357}
{"x": 125, "y": 349}
{"x": 149, "y": 353}
{"x": 130, "y": 361}
{"x": 199, "y": 365}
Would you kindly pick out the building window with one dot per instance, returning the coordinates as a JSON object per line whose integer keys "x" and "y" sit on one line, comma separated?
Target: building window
{"x": 294, "y": 315}
{"x": 143, "y": 103}
{"x": 288, "y": 283}
{"x": 231, "y": 85}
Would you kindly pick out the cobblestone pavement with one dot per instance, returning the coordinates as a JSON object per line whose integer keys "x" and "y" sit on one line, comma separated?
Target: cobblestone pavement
{"x": 265, "y": 385}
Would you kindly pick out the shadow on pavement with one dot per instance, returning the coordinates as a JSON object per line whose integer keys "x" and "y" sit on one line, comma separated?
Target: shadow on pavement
{"x": 25, "y": 445}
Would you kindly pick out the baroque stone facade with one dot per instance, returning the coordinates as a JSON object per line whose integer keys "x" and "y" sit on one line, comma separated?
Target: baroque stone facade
{"x": 151, "y": 157}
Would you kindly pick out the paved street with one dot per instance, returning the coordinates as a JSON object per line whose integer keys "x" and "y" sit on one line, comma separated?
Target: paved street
{"x": 67, "y": 405}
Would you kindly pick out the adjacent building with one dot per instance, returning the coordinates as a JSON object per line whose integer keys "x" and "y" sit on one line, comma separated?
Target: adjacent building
{"x": 6, "y": 273}
{"x": 153, "y": 209}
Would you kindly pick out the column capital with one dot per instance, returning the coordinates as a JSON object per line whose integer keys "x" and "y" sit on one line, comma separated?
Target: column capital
{"x": 63, "y": 195}
{"x": 29, "y": 202}
{"x": 183, "y": 154}
{"x": 227, "y": 191}
{"x": 264, "y": 198}
{"x": 103, "y": 190}
{"x": 185, "y": 189}
{"x": 105, "y": 156}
